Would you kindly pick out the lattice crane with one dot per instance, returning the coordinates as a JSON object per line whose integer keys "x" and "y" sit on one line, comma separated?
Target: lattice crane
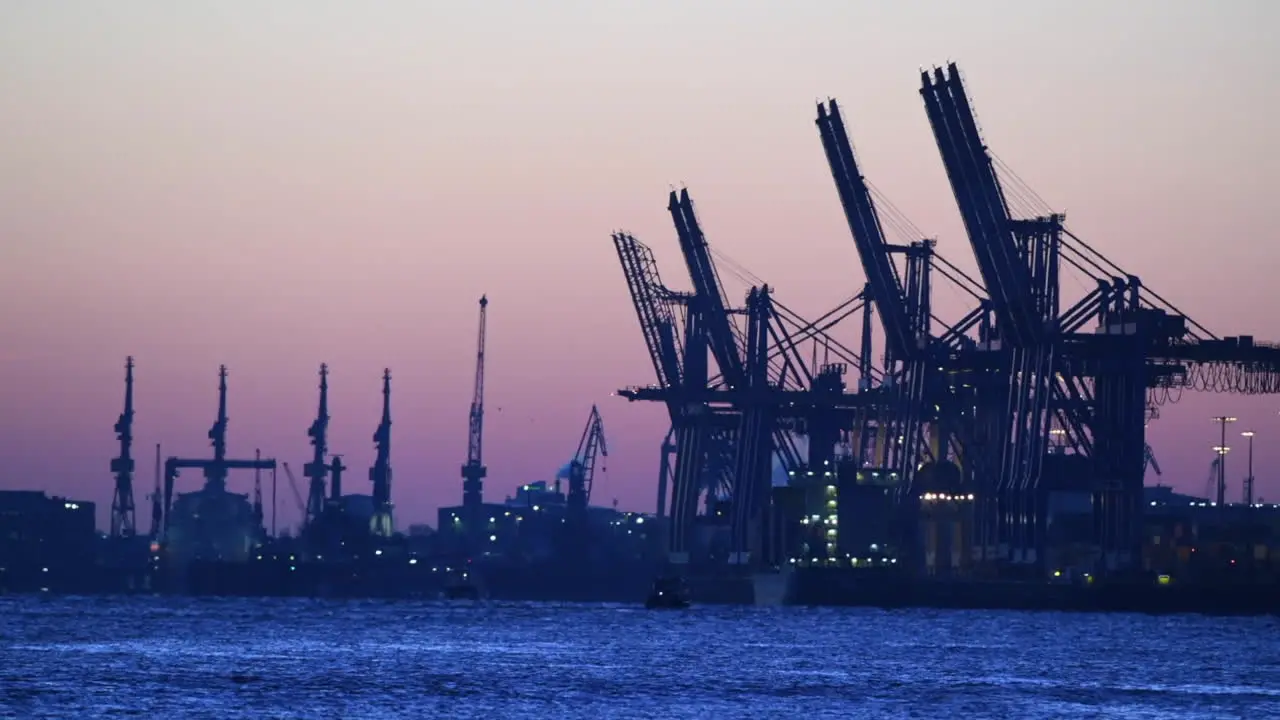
{"x": 474, "y": 471}
{"x": 582, "y": 468}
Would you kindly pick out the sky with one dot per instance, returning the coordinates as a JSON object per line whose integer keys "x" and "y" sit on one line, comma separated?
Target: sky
{"x": 276, "y": 185}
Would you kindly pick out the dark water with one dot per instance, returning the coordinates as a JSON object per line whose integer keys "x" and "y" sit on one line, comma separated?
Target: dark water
{"x": 167, "y": 658}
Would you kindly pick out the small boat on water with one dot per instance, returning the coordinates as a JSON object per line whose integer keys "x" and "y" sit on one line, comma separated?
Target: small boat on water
{"x": 668, "y": 593}
{"x": 460, "y": 588}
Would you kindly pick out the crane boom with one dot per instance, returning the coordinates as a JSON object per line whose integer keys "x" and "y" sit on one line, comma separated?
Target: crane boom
{"x": 868, "y": 233}
{"x": 474, "y": 471}
{"x": 709, "y": 295}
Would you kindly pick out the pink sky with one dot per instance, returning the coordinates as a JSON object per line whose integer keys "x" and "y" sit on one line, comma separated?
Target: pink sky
{"x": 275, "y": 185}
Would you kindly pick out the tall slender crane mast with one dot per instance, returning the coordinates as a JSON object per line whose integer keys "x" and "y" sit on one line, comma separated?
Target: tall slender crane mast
{"x": 474, "y": 471}
{"x": 318, "y": 468}
{"x": 122, "y": 515}
{"x": 382, "y": 524}
{"x": 215, "y": 471}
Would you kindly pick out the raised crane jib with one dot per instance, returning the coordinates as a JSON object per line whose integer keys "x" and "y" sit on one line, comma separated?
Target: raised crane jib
{"x": 980, "y": 199}
{"x": 474, "y": 471}
{"x": 652, "y": 303}
{"x": 591, "y": 447}
{"x": 709, "y": 292}
{"x": 476, "y": 435}
{"x": 868, "y": 233}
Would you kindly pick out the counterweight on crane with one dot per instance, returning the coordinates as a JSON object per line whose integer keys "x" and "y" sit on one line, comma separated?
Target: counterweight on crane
{"x": 474, "y": 471}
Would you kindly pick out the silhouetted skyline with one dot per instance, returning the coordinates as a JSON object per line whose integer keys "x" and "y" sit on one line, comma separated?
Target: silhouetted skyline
{"x": 273, "y": 187}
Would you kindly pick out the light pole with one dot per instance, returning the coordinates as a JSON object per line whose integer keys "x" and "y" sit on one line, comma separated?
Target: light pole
{"x": 1222, "y": 450}
{"x": 1248, "y": 480}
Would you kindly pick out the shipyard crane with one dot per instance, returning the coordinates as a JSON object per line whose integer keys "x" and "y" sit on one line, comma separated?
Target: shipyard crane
{"x": 122, "y": 510}
{"x": 215, "y": 469}
{"x": 382, "y": 523}
{"x": 474, "y": 471}
{"x": 318, "y": 469}
{"x": 581, "y": 470}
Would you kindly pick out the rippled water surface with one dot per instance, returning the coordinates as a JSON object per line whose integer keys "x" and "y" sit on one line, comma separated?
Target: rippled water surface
{"x": 171, "y": 658}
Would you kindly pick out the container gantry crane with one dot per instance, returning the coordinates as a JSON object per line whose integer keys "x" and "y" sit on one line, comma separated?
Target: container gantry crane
{"x": 725, "y": 433}
{"x": 980, "y": 397}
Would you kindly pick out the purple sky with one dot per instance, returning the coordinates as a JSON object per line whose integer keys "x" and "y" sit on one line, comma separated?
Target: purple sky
{"x": 274, "y": 185}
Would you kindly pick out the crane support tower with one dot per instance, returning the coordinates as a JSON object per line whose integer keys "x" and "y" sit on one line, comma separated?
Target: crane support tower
{"x": 123, "y": 523}
{"x": 317, "y": 470}
{"x": 474, "y": 471}
{"x": 381, "y": 524}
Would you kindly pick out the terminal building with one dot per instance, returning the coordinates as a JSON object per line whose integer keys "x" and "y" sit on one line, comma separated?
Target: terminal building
{"x": 45, "y": 541}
